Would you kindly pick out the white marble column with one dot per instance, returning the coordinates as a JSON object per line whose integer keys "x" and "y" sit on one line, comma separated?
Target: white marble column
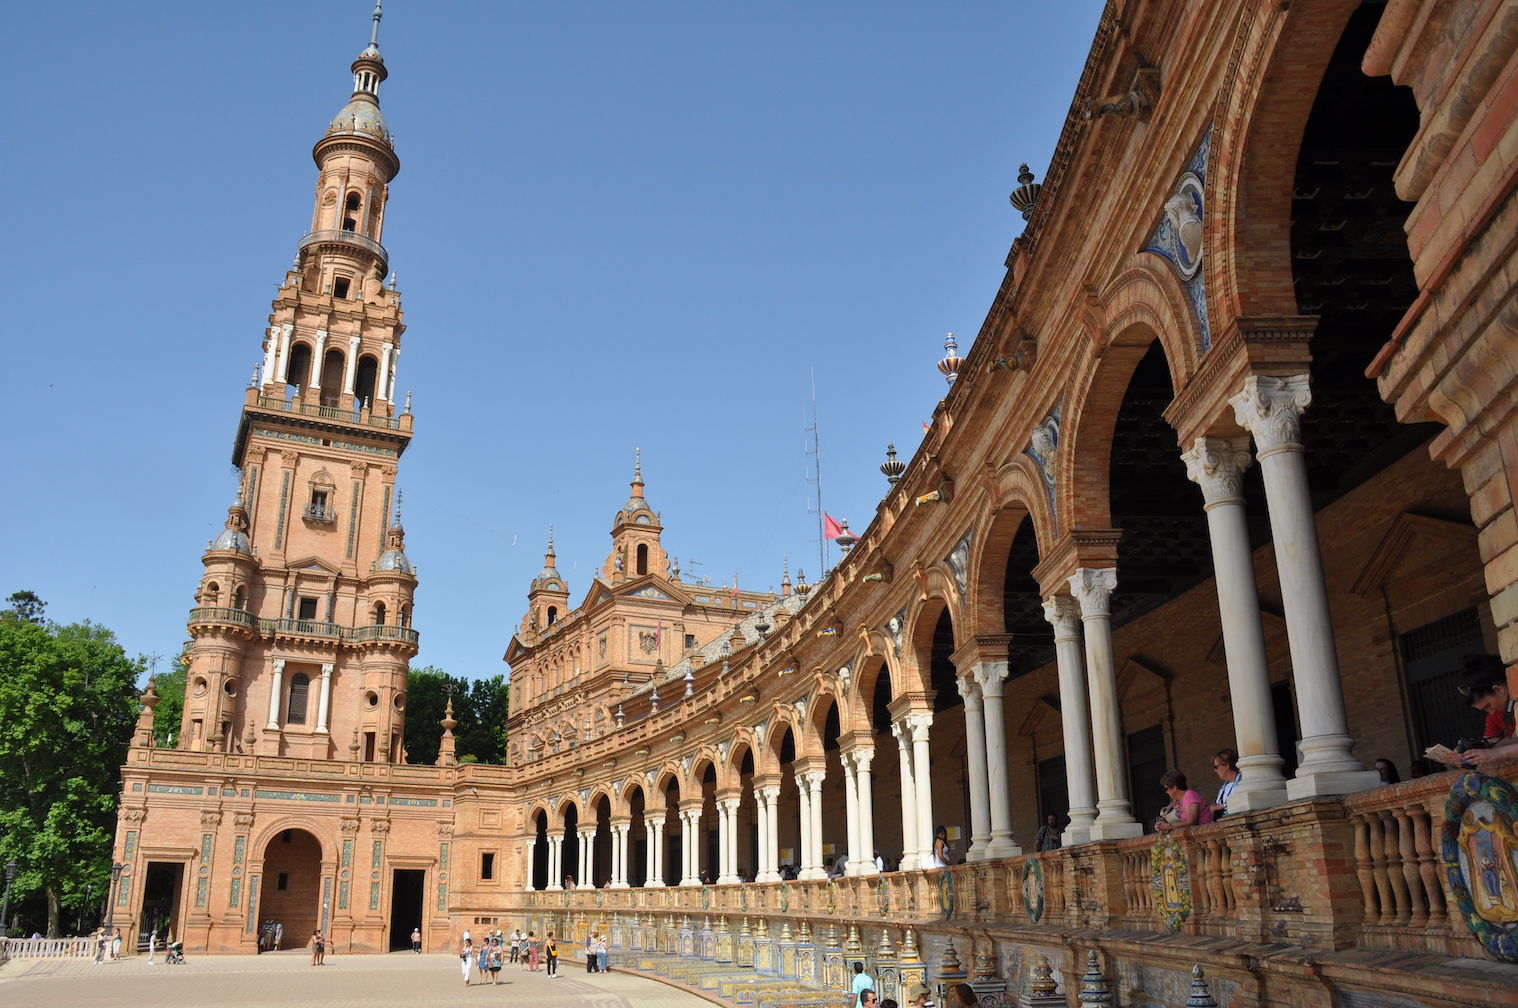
{"x": 586, "y": 875}
{"x": 350, "y": 366}
{"x": 1063, "y": 613}
{"x": 1217, "y": 465}
{"x": 727, "y": 872}
{"x": 863, "y": 858}
{"x": 555, "y": 860}
{"x": 317, "y": 356}
{"x": 653, "y": 829}
{"x": 276, "y": 690}
{"x": 850, "y": 811}
{"x": 282, "y": 371}
{"x": 382, "y": 377}
{"x": 619, "y": 856}
{"x": 1271, "y": 409}
{"x": 911, "y": 856}
{"x": 1092, "y": 588}
{"x": 814, "y": 780}
{"x": 324, "y": 701}
{"x": 975, "y": 762}
{"x": 804, "y": 826}
{"x": 769, "y": 834}
{"x": 271, "y": 355}
{"x": 761, "y": 823}
{"x": 690, "y": 825}
{"x": 922, "y": 777}
{"x": 989, "y": 676}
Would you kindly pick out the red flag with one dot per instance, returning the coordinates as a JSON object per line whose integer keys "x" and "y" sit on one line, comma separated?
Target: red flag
{"x": 830, "y": 528}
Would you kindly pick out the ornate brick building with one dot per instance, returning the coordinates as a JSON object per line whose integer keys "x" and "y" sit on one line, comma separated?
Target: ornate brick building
{"x": 1229, "y": 464}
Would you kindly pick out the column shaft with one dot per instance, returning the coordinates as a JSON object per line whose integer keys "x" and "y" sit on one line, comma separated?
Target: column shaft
{"x": 975, "y": 761}
{"x": 989, "y": 676}
{"x": 324, "y": 702}
{"x": 911, "y": 856}
{"x": 922, "y": 765}
{"x": 276, "y": 688}
{"x": 1114, "y": 818}
{"x": 815, "y": 779}
{"x": 1080, "y": 774}
{"x": 864, "y": 857}
{"x": 653, "y": 830}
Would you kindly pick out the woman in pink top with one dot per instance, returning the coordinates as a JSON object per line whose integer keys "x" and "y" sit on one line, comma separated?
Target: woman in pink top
{"x": 1186, "y": 807}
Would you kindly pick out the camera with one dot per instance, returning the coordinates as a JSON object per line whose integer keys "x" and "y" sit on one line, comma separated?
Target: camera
{"x": 1465, "y": 744}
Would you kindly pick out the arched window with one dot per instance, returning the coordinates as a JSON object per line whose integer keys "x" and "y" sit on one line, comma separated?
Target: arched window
{"x": 213, "y": 593}
{"x": 340, "y": 286}
{"x": 240, "y": 599}
{"x": 299, "y": 371}
{"x": 405, "y": 615}
{"x": 350, "y": 211}
{"x": 553, "y": 614}
{"x": 379, "y": 613}
{"x": 332, "y": 377}
{"x": 642, "y": 558}
{"x": 363, "y": 381}
{"x": 300, "y": 689}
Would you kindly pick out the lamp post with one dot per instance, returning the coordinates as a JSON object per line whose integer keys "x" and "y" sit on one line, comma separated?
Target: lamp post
{"x": 110, "y": 909}
{"x": 83, "y": 909}
{"x": 5, "y": 903}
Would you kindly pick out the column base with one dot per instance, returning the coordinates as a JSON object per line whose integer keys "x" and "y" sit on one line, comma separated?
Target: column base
{"x": 620, "y": 885}
{"x": 1003, "y": 847}
{"x": 1251, "y": 801}
{"x": 654, "y": 884}
{"x": 692, "y": 882}
{"x": 727, "y": 880}
{"x": 979, "y": 848}
{"x": 1318, "y": 784}
{"x": 767, "y": 876}
{"x": 1116, "y": 830}
{"x": 555, "y": 888}
{"x": 811, "y": 873}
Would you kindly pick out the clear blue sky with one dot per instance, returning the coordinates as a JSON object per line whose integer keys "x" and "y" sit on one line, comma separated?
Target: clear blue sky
{"x": 615, "y": 225}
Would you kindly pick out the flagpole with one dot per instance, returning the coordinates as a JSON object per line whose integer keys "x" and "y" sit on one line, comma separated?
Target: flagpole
{"x": 816, "y": 454}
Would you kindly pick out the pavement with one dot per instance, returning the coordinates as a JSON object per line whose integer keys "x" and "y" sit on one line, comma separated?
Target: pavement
{"x": 287, "y": 979}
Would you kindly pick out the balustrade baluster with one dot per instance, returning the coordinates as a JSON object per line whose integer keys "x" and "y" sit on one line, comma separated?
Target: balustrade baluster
{"x": 1365, "y": 867}
{"x": 1387, "y": 901}
{"x": 1394, "y": 874}
{"x": 1433, "y": 889}
{"x": 1407, "y": 850}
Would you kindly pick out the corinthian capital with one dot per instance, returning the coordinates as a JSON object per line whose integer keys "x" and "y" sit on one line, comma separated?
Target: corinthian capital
{"x": 1271, "y": 408}
{"x": 1217, "y": 466}
{"x": 1092, "y": 588}
{"x": 1064, "y": 615}
{"x": 969, "y": 690}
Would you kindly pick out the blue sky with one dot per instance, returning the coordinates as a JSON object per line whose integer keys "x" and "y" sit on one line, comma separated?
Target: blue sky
{"x": 616, "y": 225}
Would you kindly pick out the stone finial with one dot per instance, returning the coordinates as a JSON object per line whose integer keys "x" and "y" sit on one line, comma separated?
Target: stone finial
{"x": 885, "y": 950}
{"x": 447, "y": 745}
{"x": 853, "y": 948}
{"x": 805, "y": 937}
{"x": 743, "y": 929}
{"x": 785, "y": 932}
{"x": 1201, "y": 994}
{"x": 949, "y": 965}
{"x": 909, "y": 948}
{"x": 1043, "y": 992}
{"x": 1094, "y": 988}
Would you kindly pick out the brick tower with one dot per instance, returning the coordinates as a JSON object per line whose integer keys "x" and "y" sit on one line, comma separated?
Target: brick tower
{"x": 301, "y": 635}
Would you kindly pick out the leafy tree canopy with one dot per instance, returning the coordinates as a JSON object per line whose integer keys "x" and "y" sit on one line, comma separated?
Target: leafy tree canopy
{"x": 67, "y": 709}
{"x": 169, "y": 714}
{"x": 479, "y": 705}
{"x": 25, "y": 606}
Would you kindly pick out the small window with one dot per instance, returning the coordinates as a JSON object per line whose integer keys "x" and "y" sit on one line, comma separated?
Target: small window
{"x": 240, "y": 600}
{"x": 642, "y": 558}
{"x": 487, "y": 865}
{"x": 284, "y": 881}
{"x": 690, "y": 641}
{"x": 379, "y": 614}
{"x": 340, "y": 285}
{"x": 553, "y": 615}
{"x": 300, "y": 689}
{"x": 307, "y": 609}
{"x": 319, "y": 498}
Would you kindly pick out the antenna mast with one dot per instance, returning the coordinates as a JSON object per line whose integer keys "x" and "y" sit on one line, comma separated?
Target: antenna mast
{"x": 815, "y": 454}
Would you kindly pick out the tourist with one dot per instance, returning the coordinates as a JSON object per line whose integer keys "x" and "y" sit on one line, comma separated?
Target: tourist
{"x": 1388, "y": 771}
{"x": 590, "y": 952}
{"x": 867, "y": 999}
{"x": 827, "y": 869}
{"x": 1048, "y": 835}
{"x": 1226, "y": 764}
{"x": 889, "y": 1003}
{"x": 516, "y": 944}
{"x": 862, "y": 982}
{"x": 551, "y": 950}
{"x": 494, "y": 956}
{"x": 416, "y": 940}
{"x": 466, "y": 954}
{"x": 100, "y": 946}
{"x": 569, "y": 881}
{"x": 917, "y": 995}
{"x": 116, "y": 945}
{"x": 1485, "y": 688}
{"x": 880, "y": 863}
{"x": 939, "y": 856}
{"x": 532, "y": 952}
{"x": 1186, "y": 807}
{"x": 318, "y": 949}
{"x": 601, "y": 954}
{"x": 152, "y": 946}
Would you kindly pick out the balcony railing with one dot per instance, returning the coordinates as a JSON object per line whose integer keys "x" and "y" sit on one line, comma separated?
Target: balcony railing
{"x": 340, "y": 237}
{"x": 217, "y": 614}
{"x": 319, "y": 513}
{"x": 306, "y": 628}
{"x": 330, "y": 412}
{"x": 382, "y": 631}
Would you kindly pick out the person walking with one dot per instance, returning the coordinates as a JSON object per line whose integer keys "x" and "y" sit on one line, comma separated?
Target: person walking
{"x": 551, "y": 948}
{"x": 862, "y": 982}
{"x": 532, "y": 952}
{"x": 516, "y": 944}
{"x": 100, "y": 944}
{"x": 116, "y": 945}
{"x": 493, "y": 960}
{"x": 590, "y": 953}
{"x": 466, "y": 955}
{"x": 416, "y": 940}
{"x": 152, "y": 946}
{"x": 601, "y": 954}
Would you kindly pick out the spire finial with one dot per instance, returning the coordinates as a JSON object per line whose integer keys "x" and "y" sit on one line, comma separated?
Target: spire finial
{"x": 374, "y": 38}
{"x": 550, "y": 541}
{"x": 952, "y": 362}
{"x": 398, "y": 493}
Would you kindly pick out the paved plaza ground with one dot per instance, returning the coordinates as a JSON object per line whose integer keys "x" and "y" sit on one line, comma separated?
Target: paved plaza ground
{"x": 347, "y": 981}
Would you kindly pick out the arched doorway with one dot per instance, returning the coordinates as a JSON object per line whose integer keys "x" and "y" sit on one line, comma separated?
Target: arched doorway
{"x": 291, "y": 891}
{"x": 540, "y": 851}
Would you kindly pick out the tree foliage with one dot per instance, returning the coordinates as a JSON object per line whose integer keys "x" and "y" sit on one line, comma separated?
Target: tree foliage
{"x": 25, "y": 606}
{"x": 480, "y": 706}
{"x": 67, "y": 709}
{"x": 168, "y": 716}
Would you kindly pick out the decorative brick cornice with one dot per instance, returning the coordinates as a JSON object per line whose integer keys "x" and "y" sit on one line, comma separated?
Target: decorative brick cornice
{"x": 1267, "y": 345}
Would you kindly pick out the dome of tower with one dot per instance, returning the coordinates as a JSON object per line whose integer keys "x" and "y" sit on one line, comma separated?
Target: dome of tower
{"x": 396, "y": 560}
{"x": 361, "y": 115}
{"x": 232, "y": 539}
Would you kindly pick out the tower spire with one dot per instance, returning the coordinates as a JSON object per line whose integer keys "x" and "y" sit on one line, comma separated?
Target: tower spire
{"x": 374, "y": 38}
{"x": 637, "y": 483}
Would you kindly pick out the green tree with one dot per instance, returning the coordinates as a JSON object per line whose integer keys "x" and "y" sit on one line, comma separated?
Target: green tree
{"x": 25, "y": 606}
{"x": 169, "y": 714}
{"x": 479, "y": 706}
{"x": 67, "y": 709}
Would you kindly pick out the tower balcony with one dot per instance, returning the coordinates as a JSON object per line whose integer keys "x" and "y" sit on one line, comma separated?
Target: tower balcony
{"x": 382, "y": 632}
{"x": 300, "y": 628}
{"x": 223, "y": 618}
{"x": 352, "y": 239}
{"x": 350, "y": 416}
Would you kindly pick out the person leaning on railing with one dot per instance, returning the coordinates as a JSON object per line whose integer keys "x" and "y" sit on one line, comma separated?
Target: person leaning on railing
{"x": 1485, "y": 689}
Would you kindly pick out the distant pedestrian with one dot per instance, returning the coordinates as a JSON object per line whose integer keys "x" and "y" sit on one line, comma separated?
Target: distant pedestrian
{"x": 318, "y": 948}
{"x": 590, "y": 953}
{"x": 416, "y": 940}
{"x": 466, "y": 956}
{"x": 516, "y": 944}
{"x": 862, "y": 982}
{"x": 551, "y": 949}
{"x": 100, "y": 946}
{"x": 1049, "y": 835}
{"x": 116, "y": 945}
{"x": 532, "y": 951}
{"x": 601, "y": 954}
{"x": 152, "y": 946}
{"x": 493, "y": 960}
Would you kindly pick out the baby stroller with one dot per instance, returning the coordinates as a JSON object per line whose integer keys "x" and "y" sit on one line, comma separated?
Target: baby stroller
{"x": 176, "y": 953}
